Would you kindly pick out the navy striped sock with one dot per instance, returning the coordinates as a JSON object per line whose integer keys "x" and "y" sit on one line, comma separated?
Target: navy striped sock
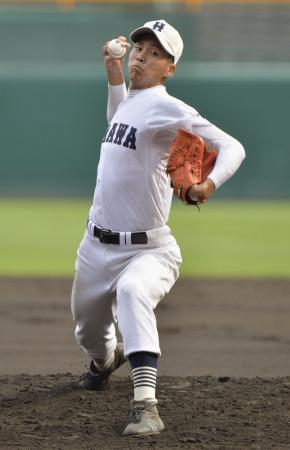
{"x": 144, "y": 372}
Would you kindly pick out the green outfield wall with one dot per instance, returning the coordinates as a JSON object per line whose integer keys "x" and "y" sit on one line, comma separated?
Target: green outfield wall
{"x": 52, "y": 124}
{"x": 53, "y": 107}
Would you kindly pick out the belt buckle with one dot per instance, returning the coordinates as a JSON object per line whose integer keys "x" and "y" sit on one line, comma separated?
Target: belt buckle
{"x": 103, "y": 233}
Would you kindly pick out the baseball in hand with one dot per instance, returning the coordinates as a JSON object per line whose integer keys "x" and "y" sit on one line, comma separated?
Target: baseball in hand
{"x": 115, "y": 49}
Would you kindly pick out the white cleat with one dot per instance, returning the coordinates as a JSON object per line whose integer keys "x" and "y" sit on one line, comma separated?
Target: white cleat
{"x": 143, "y": 418}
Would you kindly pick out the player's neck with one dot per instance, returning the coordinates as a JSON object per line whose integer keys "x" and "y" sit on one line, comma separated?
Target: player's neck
{"x": 136, "y": 86}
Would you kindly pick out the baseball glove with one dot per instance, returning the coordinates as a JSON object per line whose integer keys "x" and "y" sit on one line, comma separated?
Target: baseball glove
{"x": 189, "y": 163}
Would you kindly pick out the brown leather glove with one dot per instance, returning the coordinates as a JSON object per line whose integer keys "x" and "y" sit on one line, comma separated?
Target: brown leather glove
{"x": 189, "y": 163}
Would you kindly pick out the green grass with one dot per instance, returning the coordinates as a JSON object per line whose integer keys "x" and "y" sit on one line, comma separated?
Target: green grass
{"x": 239, "y": 239}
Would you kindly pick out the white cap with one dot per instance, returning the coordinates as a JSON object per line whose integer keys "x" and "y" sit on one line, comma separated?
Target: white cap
{"x": 168, "y": 36}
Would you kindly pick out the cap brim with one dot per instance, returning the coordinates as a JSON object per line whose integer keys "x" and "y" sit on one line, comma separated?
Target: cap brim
{"x": 134, "y": 36}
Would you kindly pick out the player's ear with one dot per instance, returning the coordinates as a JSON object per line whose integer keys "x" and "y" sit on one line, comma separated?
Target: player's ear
{"x": 170, "y": 70}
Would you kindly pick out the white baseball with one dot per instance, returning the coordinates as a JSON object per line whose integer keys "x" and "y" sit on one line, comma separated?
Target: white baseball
{"x": 115, "y": 49}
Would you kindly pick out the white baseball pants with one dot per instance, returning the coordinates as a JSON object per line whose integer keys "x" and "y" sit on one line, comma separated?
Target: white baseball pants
{"x": 122, "y": 284}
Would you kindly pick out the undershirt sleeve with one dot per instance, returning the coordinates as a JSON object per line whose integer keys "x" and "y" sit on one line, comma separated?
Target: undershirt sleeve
{"x": 116, "y": 94}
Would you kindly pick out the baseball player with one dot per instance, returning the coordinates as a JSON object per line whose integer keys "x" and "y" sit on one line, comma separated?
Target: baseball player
{"x": 128, "y": 259}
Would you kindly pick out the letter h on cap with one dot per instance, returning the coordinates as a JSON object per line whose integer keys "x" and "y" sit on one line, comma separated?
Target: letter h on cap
{"x": 158, "y": 26}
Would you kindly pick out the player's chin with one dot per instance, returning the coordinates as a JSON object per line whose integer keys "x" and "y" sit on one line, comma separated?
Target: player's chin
{"x": 134, "y": 72}
{"x": 136, "y": 80}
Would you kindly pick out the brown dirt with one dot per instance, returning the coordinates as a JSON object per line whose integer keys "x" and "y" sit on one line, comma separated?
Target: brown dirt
{"x": 223, "y": 381}
{"x": 50, "y": 412}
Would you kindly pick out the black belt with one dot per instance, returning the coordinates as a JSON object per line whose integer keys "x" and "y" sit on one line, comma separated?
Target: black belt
{"x": 112, "y": 237}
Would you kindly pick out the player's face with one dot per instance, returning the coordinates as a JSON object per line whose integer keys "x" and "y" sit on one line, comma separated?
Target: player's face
{"x": 149, "y": 64}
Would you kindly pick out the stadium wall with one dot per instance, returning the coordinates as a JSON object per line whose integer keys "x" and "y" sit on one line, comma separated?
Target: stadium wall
{"x": 52, "y": 127}
{"x": 53, "y": 104}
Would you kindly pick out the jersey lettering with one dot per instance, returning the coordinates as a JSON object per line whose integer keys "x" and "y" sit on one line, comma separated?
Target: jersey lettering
{"x": 104, "y": 138}
{"x": 117, "y": 132}
{"x": 130, "y": 141}
{"x": 120, "y": 133}
{"x": 110, "y": 136}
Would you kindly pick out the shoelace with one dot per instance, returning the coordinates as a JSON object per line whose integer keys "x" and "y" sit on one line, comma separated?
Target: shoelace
{"x": 90, "y": 375}
{"x": 85, "y": 377}
{"x": 135, "y": 415}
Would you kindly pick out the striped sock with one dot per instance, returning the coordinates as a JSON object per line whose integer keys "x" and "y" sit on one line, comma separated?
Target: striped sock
{"x": 144, "y": 372}
{"x": 144, "y": 381}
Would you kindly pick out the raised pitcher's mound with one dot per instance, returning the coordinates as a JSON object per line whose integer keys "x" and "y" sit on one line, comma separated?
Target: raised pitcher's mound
{"x": 51, "y": 412}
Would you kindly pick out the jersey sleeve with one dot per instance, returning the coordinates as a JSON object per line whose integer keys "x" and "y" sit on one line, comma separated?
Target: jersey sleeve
{"x": 116, "y": 94}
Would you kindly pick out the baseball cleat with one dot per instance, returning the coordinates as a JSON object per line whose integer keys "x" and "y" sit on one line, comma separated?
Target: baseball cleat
{"x": 143, "y": 418}
{"x": 96, "y": 380}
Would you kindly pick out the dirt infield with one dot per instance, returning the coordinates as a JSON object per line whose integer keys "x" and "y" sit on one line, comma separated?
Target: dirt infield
{"x": 50, "y": 412}
{"x": 223, "y": 380}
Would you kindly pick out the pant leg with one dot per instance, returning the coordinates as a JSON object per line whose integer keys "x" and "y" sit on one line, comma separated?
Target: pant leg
{"x": 143, "y": 284}
{"x": 93, "y": 301}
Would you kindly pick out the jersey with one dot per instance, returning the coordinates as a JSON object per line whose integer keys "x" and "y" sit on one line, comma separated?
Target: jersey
{"x": 133, "y": 191}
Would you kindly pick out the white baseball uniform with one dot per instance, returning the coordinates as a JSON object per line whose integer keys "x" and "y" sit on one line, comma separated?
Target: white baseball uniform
{"x": 125, "y": 281}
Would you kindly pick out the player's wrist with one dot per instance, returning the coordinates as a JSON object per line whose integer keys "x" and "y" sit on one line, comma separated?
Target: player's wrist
{"x": 116, "y": 86}
{"x": 115, "y": 79}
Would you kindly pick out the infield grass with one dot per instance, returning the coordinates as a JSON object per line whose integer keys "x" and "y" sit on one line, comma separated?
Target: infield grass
{"x": 226, "y": 239}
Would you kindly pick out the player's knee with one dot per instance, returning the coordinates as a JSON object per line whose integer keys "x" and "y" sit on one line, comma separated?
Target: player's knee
{"x": 82, "y": 336}
{"x": 89, "y": 340}
{"x": 128, "y": 291}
